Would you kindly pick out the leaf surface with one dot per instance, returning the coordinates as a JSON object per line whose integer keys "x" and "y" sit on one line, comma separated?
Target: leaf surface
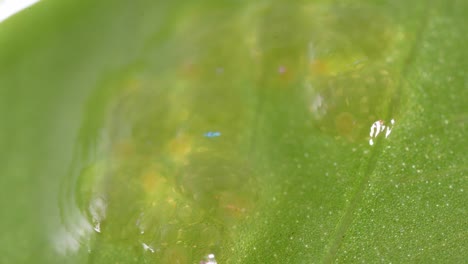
{"x": 163, "y": 132}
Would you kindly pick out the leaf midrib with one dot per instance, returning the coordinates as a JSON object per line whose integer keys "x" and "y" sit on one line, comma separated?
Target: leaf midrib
{"x": 347, "y": 218}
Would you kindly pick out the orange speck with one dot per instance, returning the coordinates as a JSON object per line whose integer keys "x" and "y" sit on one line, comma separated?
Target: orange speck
{"x": 189, "y": 70}
{"x": 319, "y": 67}
{"x": 151, "y": 180}
{"x": 171, "y": 201}
{"x": 124, "y": 148}
{"x": 180, "y": 147}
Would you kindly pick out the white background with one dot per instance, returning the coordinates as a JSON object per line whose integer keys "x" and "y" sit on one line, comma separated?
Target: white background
{"x": 10, "y": 7}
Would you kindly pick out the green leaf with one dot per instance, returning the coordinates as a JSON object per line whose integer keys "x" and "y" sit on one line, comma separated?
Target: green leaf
{"x": 154, "y": 132}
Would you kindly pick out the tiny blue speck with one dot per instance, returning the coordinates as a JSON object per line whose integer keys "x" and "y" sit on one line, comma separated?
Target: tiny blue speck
{"x": 212, "y": 134}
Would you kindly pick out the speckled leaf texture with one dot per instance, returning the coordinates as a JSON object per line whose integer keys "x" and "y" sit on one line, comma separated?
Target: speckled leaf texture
{"x": 164, "y": 131}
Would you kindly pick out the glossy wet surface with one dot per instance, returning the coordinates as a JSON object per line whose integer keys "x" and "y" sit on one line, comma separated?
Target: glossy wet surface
{"x": 185, "y": 153}
{"x": 238, "y": 130}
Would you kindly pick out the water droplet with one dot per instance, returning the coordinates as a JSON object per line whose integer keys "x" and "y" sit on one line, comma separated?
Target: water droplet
{"x": 147, "y": 248}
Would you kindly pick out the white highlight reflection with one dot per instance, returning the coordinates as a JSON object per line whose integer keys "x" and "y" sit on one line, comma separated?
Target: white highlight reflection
{"x": 68, "y": 239}
{"x": 97, "y": 209}
{"x": 147, "y": 248}
{"x": 377, "y": 127}
{"x": 210, "y": 259}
